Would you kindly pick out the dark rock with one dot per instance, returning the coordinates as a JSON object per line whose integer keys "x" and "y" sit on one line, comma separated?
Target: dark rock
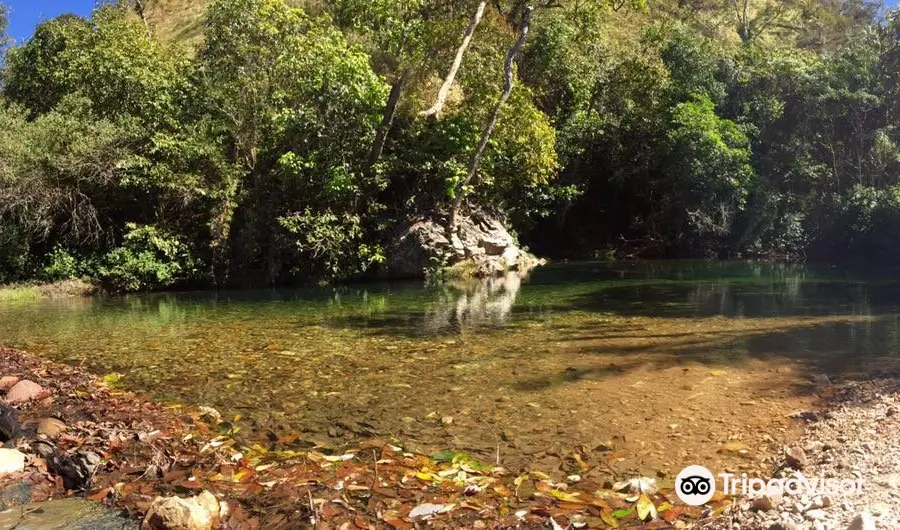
{"x": 807, "y": 415}
{"x": 795, "y": 457}
{"x": 9, "y": 423}
{"x": 862, "y": 521}
{"x": 15, "y": 494}
{"x": 76, "y": 470}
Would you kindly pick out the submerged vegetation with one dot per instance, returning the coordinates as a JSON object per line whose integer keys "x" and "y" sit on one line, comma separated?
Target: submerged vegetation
{"x": 259, "y": 142}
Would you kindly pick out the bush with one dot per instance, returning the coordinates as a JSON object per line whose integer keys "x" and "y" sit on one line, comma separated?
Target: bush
{"x": 331, "y": 245}
{"x": 150, "y": 258}
{"x": 61, "y": 265}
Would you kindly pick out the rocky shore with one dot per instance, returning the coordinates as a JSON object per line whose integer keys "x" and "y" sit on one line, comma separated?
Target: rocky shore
{"x": 856, "y": 437}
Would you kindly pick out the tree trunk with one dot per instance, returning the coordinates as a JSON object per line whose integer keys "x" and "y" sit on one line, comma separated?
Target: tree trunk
{"x": 387, "y": 119}
{"x": 492, "y": 120}
{"x": 438, "y": 106}
{"x": 139, "y": 9}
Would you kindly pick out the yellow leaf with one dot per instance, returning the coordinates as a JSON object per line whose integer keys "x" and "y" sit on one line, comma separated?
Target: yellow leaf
{"x": 609, "y": 518}
{"x": 581, "y": 463}
{"x": 424, "y": 476}
{"x": 645, "y": 508}
{"x": 734, "y": 447}
{"x": 566, "y": 497}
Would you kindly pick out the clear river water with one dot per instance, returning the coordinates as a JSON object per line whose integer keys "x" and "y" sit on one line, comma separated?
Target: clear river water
{"x": 646, "y": 367}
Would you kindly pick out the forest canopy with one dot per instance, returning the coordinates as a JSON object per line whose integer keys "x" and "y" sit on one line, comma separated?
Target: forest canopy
{"x": 287, "y": 141}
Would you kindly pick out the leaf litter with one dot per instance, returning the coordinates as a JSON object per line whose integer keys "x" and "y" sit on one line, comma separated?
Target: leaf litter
{"x": 150, "y": 449}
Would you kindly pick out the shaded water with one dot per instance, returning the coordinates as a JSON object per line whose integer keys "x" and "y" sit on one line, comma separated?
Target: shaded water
{"x": 646, "y": 366}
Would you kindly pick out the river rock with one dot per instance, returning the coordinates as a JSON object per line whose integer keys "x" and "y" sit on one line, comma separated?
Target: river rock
{"x": 7, "y": 382}
{"x": 795, "y": 457}
{"x": 23, "y": 391}
{"x": 863, "y": 521}
{"x": 15, "y": 494}
{"x": 175, "y": 513}
{"x": 51, "y": 427}
{"x": 815, "y": 515}
{"x": 11, "y": 461}
{"x": 766, "y": 502}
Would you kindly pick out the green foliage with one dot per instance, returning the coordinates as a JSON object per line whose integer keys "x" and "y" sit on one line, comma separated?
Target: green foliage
{"x": 688, "y": 130}
{"x": 710, "y": 166}
{"x": 61, "y": 265}
{"x": 59, "y": 173}
{"x": 111, "y": 61}
{"x": 334, "y": 244}
{"x": 149, "y": 258}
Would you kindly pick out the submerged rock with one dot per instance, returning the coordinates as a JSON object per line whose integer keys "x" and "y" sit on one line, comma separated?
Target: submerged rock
{"x": 70, "y": 514}
{"x": 480, "y": 246}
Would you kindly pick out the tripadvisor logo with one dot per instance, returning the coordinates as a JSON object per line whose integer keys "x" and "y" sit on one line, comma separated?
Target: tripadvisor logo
{"x": 696, "y": 485}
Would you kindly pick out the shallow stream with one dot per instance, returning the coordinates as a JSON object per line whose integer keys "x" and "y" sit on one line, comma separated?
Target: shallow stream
{"x": 644, "y": 367}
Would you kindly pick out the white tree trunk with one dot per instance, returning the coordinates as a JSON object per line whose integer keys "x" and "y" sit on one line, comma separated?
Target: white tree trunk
{"x": 492, "y": 120}
{"x": 438, "y": 106}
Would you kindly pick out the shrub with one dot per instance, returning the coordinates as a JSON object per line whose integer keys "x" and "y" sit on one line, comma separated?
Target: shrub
{"x": 149, "y": 258}
{"x": 61, "y": 265}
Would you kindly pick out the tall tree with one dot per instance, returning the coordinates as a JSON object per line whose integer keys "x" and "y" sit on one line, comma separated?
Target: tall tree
{"x": 508, "y": 64}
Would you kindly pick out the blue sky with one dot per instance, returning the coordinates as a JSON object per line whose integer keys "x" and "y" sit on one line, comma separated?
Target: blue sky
{"x": 26, "y": 14}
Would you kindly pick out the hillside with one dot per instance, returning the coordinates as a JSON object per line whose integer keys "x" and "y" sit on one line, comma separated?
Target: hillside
{"x": 179, "y": 20}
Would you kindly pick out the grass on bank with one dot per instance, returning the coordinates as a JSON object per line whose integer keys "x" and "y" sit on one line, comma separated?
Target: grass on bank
{"x": 61, "y": 289}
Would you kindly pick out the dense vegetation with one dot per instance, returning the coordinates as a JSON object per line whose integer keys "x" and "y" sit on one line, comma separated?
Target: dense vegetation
{"x": 287, "y": 141}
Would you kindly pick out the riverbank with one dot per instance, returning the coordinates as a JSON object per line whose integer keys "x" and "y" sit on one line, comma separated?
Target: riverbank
{"x": 62, "y": 289}
{"x": 855, "y": 437}
{"x": 144, "y": 450}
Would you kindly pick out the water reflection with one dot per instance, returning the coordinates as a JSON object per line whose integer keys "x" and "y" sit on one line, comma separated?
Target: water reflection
{"x": 474, "y": 303}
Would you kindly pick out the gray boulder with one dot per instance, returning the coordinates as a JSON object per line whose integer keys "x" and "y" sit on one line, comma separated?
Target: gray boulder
{"x": 481, "y": 246}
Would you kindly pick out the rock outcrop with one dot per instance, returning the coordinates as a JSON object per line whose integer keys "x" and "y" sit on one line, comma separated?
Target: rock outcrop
{"x": 481, "y": 246}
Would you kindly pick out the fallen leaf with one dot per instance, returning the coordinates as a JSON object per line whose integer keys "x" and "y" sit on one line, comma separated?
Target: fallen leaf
{"x": 427, "y": 510}
{"x": 645, "y": 508}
